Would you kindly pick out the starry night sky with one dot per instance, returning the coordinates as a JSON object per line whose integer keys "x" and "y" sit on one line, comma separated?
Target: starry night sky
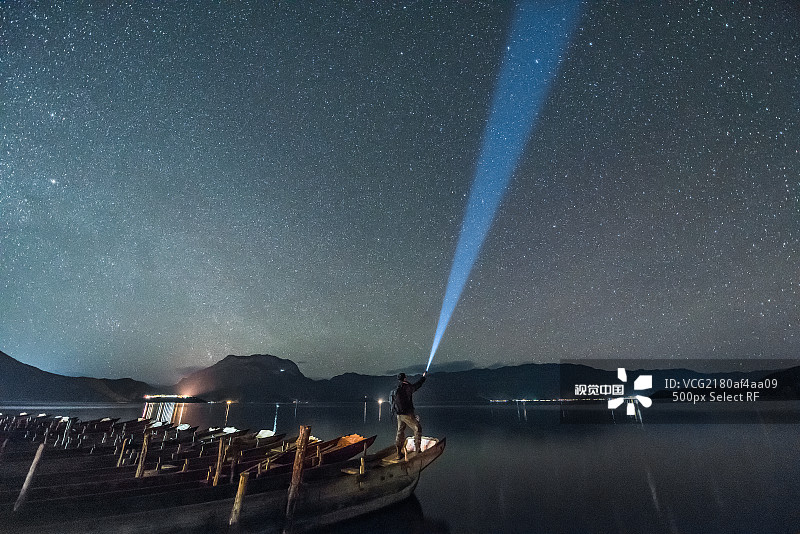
{"x": 182, "y": 181}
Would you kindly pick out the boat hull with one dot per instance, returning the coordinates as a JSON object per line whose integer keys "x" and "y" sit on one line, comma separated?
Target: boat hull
{"x": 329, "y": 494}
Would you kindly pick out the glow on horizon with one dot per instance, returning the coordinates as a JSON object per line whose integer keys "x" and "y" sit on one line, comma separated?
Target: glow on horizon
{"x": 537, "y": 41}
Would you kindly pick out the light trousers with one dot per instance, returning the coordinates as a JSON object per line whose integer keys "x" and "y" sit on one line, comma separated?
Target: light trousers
{"x": 412, "y": 421}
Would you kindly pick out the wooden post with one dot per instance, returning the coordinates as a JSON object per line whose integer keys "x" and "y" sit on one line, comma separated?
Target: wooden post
{"x": 220, "y": 457}
{"x": 237, "y": 503}
{"x": 122, "y": 452}
{"x": 3, "y": 448}
{"x": 24, "y": 492}
{"x": 143, "y": 455}
{"x": 67, "y": 429}
{"x": 265, "y": 468}
{"x": 297, "y": 476}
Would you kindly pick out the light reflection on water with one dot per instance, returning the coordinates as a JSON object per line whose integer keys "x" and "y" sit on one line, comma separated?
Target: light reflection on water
{"x": 511, "y": 468}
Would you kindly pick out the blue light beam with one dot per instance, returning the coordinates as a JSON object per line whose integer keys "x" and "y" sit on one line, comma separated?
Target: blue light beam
{"x": 539, "y": 36}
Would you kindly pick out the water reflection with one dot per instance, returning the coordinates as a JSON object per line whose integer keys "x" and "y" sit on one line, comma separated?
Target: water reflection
{"x": 524, "y": 414}
{"x": 169, "y": 412}
{"x": 518, "y": 474}
{"x": 165, "y": 412}
{"x": 403, "y": 517}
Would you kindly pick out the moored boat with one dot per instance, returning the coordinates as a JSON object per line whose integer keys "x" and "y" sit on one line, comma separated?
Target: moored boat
{"x": 336, "y": 487}
{"x": 329, "y": 494}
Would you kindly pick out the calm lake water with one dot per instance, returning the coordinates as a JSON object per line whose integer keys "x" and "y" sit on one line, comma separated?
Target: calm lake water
{"x": 513, "y": 469}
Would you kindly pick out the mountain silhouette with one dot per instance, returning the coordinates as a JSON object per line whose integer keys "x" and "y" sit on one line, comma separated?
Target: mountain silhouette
{"x": 260, "y": 377}
{"x": 23, "y": 382}
{"x": 267, "y": 378}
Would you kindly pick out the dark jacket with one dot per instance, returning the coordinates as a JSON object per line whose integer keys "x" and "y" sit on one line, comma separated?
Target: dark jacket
{"x": 404, "y": 401}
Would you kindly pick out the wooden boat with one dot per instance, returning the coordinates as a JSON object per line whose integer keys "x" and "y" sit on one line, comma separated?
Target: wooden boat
{"x": 59, "y": 461}
{"x": 335, "y": 450}
{"x": 59, "y": 477}
{"x": 329, "y": 493}
{"x": 94, "y": 471}
{"x": 100, "y": 493}
{"x": 110, "y": 479}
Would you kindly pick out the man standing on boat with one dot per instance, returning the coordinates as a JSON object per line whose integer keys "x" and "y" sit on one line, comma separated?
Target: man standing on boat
{"x": 403, "y": 405}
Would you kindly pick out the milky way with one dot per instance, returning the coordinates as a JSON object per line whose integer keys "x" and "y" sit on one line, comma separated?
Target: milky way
{"x": 183, "y": 181}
